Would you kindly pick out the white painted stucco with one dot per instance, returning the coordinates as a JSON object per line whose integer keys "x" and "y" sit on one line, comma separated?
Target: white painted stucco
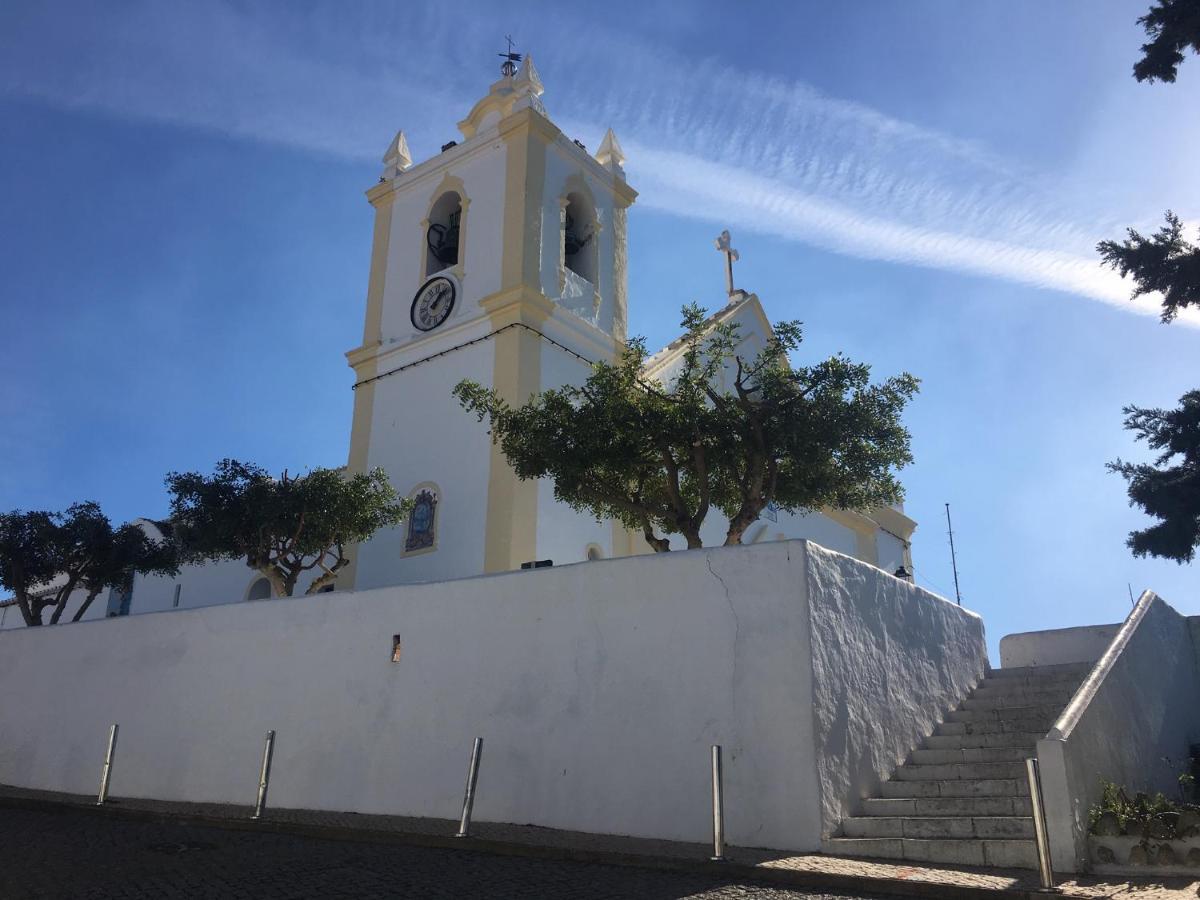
{"x": 889, "y": 660}
{"x": 1131, "y": 722}
{"x": 1085, "y": 643}
{"x": 598, "y": 689}
{"x": 421, "y": 434}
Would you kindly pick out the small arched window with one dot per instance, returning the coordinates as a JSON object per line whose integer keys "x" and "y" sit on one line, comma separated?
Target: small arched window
{"x": 579, "y": 236}
{"x": 259, "y": 590}
{"x": 442, "y": 234}
{"x": 421, "y": 533}
{"x": 594, "y": 552}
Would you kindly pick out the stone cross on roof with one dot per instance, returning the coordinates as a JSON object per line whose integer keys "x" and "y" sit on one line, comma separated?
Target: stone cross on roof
{"x": 723, "y": 244}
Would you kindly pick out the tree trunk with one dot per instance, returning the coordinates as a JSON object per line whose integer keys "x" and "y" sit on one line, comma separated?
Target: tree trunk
{"x": 329, "y": 576}
{"x": 60, "y": 605}
{"x": 83, "y": 607}
{"x": 693, "y": 538}
{"x": 744, "y": 518}
{"x": 276, "y": 577}
{"x": 659, "y": 545}
{"x": 24, "y": 605}
{"x": 289, "y": 582}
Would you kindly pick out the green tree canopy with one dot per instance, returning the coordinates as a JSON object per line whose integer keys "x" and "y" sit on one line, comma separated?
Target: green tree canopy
{"x": 1172, "y": 26}
{"x": 723, "y": 431}
{"x": 283, "y": 526}
{"x": 1165, "y": 263}
{"x": 45, "y": 557}
{"x": 1168, "y": 492}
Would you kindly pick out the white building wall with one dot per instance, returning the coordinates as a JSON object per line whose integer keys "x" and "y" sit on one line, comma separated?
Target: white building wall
{"x": 598, "y": 690}
{"x": 421, "y": 434}
{"x": 563, "y": 535}
{"x": 208, "y": 584}
{"x": 481, "y": 240}
{"x": 890, "y": 551}
{"x": 1084, "y": 643}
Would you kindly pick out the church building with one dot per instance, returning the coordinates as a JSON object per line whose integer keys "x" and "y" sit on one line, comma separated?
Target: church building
{"x": 502, "y": 259}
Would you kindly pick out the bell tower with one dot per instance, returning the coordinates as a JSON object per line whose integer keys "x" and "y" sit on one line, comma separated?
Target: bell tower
{"x": 501, "y": 259}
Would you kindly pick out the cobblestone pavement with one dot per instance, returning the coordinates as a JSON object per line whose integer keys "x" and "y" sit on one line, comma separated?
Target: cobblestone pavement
{"x": 70, "y": 854}
{"x": 812, "y": 871}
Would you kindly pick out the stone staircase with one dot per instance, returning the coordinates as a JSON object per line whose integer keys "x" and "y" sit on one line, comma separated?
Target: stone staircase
{"x": 963, "y": 797}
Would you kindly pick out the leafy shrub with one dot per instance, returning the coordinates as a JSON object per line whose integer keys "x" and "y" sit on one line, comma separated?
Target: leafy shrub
{"x": 1142, "y": 814}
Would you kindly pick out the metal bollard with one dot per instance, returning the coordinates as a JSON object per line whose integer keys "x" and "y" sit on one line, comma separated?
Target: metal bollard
{"x": 264, "y": 776}
{"x": 718, "y": 807}
{"x": 1045, "y": 869}
{"x": 464, "y": 824}
{"x": 106, "y": 773}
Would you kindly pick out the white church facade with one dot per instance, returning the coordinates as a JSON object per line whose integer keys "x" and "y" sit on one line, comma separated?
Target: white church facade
{"x": 502, "y": 259}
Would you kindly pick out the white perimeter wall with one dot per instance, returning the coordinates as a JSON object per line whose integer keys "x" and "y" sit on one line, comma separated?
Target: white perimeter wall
{"x": 598, "y": 689}
{"x": 1086, "y": 643}
{"x": 889, "y": 660}
{"x": 1130, "y": 723}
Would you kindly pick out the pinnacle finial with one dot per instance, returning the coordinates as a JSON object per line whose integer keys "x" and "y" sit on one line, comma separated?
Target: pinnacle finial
{"x": 528, "y": 81}
{"x": 610, "y": 154}
{"x": 397, "y": 158}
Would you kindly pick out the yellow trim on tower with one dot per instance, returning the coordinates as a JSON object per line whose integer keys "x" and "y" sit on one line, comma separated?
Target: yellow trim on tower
{"x": 363, "y": 359}
{"x": 510, "y": 536}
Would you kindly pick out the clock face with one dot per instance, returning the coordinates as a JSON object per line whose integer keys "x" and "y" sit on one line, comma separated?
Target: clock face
{"x": 433, "y": 303}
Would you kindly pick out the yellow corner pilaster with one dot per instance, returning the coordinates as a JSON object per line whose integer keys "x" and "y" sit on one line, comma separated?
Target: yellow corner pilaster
{"x": 512, "y": 504}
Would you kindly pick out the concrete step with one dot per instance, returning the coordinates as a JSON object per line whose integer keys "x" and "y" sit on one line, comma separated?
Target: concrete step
{"x": 970, "y": 755}
{"x": 960, "y": 771}
{"x": 945, "y": 827}
{"x": 1005, "y": 714}
{"x": 1055, "y": 699}
{"x": 1078, "y": 670}
{"x": 955, "y": 787}
{"x": 1014, "y": 687}
{"x": 970, "y": 852}
{"x": 1024, "y": 740}
{"x": 1038, "y": 724}
{"x": 948, "y": 806}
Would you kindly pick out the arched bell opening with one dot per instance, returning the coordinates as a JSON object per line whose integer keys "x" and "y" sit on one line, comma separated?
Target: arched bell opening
{"x": 579, "y": 237}
{"x": 443, "y": 234}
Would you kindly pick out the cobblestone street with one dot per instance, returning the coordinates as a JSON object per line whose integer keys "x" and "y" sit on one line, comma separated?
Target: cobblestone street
{"x": 70, "y": 854}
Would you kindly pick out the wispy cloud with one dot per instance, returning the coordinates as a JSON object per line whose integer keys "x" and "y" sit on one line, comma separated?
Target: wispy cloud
{"x": 705, "y": 139}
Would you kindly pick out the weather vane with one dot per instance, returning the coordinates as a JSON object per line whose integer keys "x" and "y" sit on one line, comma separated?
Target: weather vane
{"x": 509, "y": 67}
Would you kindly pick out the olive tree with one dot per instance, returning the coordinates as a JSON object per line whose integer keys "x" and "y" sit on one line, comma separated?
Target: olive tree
{"x": 720, "y": 431}
{"x": 45, "y": 557}
{"x": 282, "y": 527}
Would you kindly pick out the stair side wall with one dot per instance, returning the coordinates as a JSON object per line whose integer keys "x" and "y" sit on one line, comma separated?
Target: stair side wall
{"x": 1130, "y": 723}
{"x": 889, "y": 659}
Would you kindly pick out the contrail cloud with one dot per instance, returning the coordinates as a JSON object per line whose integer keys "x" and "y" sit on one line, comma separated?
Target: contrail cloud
{"x": 705, "y": 139}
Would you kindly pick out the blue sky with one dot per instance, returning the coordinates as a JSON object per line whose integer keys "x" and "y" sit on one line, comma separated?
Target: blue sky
{"x": 185, "y": 240}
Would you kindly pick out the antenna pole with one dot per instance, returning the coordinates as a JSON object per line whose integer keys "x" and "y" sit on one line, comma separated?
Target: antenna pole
{"x": 1132, "y": 602}
{"x": 953, "y": 559}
